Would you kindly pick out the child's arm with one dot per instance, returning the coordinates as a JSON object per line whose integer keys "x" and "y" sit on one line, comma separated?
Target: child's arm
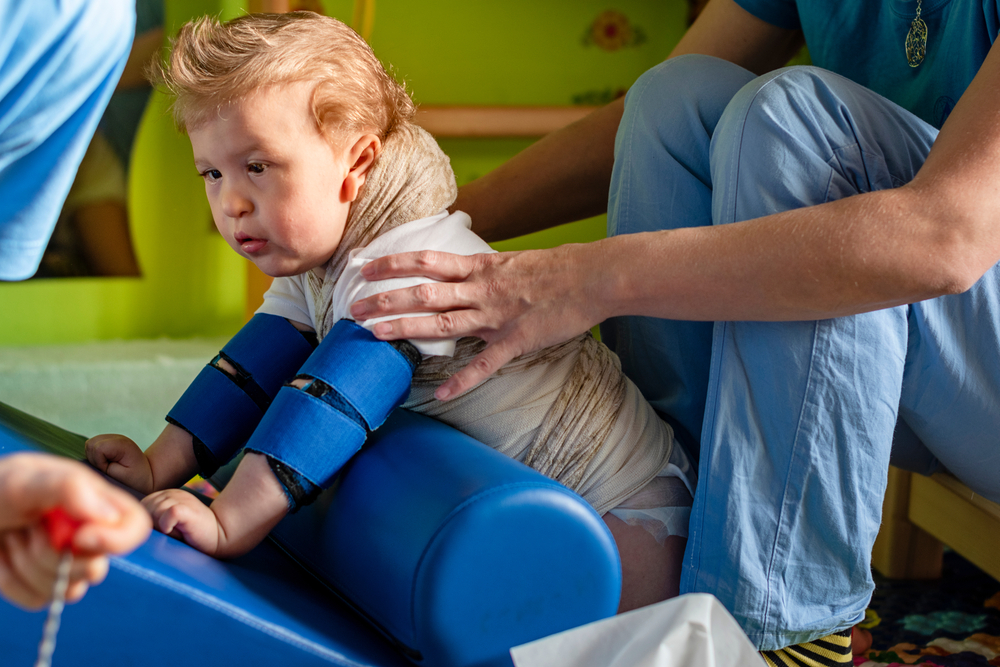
{"x": 244, "y": 513}
{"x": 216, "y": 414}
{"x": 168, "y": 463}
{"x": 346, "y": 388}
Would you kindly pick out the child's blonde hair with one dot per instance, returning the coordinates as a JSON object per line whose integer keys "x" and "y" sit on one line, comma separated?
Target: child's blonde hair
{"x": 212, "y": 64}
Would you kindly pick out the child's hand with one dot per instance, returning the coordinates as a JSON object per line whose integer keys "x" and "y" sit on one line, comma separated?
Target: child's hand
{"x": 122, "y": 460}
{"x": 180, "y": 514}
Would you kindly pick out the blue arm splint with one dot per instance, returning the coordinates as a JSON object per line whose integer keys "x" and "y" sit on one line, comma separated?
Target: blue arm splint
{"x": 221, "y": 410}
{"x": 353, "y": 382}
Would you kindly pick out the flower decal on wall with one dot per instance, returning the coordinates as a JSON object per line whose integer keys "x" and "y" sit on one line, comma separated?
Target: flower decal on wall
{"x": 612, "y": 30}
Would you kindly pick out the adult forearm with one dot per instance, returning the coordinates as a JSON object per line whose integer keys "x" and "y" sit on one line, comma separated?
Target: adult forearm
{"x": 563, "y": 177}
{"x": 859, "y": 254}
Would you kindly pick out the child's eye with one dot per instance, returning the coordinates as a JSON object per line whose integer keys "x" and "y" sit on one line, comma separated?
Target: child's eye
{"x": 211, "y": 175}
{"x": 256, "y": 168}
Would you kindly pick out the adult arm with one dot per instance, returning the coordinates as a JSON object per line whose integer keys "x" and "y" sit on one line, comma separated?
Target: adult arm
{"x": 934, "y": 236}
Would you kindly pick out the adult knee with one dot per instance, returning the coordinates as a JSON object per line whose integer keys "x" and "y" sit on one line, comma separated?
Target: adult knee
{"x": 779, "y": 143}
{"x": 662, "y": 144}
{"x": 802, "y": 136}
{"x": 682, "y": 94}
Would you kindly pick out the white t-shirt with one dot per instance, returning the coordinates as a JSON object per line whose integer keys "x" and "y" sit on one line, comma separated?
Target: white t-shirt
{"x": 290, "y": 298}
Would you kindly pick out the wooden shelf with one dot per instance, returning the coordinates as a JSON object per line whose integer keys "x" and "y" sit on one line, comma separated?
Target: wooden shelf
{"x": 497, "y": 122}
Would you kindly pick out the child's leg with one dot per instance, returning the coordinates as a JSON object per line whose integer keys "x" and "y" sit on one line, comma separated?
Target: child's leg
{"x": 651, "y": 571}
{"x": 244, "y": 513}
{"x": 650, "y": 528}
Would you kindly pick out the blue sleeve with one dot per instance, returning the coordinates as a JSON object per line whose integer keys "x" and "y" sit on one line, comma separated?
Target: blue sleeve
{"x": 781, "y": 13}
{"x": 59, "y": 63}
{"x": 991, "y": 10}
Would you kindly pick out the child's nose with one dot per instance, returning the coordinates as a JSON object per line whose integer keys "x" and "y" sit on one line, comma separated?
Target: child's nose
{"x": 234, "y": 203}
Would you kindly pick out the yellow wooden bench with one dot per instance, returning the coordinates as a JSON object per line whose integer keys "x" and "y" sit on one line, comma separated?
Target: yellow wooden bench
{"x": 921, "y": 514}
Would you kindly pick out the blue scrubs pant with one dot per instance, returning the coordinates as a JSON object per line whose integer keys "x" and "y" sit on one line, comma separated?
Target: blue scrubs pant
{"x": 795, "y": 421}
{"x": 59, "y": 63}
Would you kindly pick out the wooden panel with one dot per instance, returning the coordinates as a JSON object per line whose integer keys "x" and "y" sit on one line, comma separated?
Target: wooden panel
{"x": 483, "y": 122}
{"x": 902, "y": 550}
{"x": 966, "y": 522}
{"x": 257, "y": 284}
{"x": 270, "y": 6}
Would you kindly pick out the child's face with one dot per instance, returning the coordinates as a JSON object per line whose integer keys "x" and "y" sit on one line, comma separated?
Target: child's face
{"x": 274, "y": 183}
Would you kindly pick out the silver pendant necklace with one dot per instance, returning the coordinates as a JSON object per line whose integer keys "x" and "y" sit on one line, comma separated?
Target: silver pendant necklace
{"x": 916, "y": 40}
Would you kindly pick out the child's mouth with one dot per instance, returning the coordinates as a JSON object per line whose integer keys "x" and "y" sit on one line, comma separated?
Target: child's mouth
{"x": 250, "y": 245}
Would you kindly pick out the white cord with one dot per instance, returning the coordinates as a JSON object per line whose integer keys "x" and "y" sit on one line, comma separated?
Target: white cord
{"x": 48, "y": 643}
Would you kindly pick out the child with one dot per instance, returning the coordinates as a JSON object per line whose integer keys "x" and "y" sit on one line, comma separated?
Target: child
{"x": 313, "y": 167}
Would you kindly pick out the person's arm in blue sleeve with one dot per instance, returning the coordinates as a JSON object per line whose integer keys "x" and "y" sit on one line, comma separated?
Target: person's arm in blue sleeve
{"x": 58, "y": 69}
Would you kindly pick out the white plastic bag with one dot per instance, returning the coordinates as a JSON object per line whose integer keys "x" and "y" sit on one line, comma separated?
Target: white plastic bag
{"x": 688, "y": 631}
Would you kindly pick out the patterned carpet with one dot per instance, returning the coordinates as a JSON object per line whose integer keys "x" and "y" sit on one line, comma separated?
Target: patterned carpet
{"x": 951, "y": 622}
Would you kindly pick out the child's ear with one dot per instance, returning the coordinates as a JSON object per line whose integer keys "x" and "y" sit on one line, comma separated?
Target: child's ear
{"x": 361, "y": 158}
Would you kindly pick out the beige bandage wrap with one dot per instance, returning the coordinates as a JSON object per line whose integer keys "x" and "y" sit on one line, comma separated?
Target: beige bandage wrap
{"x": 567, "y": 410}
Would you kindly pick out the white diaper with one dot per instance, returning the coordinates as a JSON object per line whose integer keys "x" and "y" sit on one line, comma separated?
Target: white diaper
{"x": 663, "y": 506}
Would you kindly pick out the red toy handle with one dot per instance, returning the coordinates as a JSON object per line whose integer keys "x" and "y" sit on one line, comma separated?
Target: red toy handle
{"x": 61, "y": 527}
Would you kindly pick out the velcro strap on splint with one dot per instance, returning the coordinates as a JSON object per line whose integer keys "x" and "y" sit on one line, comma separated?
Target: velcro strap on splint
{"x": 371, "y": 375}
{"x": 308, "y": 435}
{"x": 222, "y": 410}
{"x": 266, "y": 351}
{"x": 217, "y": 412}
{"x": 354, "y": 382}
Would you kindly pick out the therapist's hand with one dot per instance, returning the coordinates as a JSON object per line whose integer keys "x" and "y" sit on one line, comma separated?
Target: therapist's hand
{"x": 518, "y": 302}
{"x": 30, "y": 484}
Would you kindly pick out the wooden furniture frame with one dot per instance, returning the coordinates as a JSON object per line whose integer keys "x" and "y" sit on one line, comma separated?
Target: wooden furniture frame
{"x": 921, "y": 514}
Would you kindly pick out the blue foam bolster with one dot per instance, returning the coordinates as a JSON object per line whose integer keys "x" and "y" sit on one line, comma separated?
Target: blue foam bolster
{"x": 308, "y": 435}
{"x": 270, "y": 349}
{"x": 368, "y": 373}
{"x": 217, "y": 412}
{"x": 257, "y": 610}
{"x": 453, "y": 550}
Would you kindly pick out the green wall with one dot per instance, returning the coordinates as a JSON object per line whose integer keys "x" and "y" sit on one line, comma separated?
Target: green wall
{"x": 516, "y": 52}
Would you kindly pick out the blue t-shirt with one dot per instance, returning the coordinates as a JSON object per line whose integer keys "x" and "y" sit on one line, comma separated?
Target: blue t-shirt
{"x": 864, "y": 41}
